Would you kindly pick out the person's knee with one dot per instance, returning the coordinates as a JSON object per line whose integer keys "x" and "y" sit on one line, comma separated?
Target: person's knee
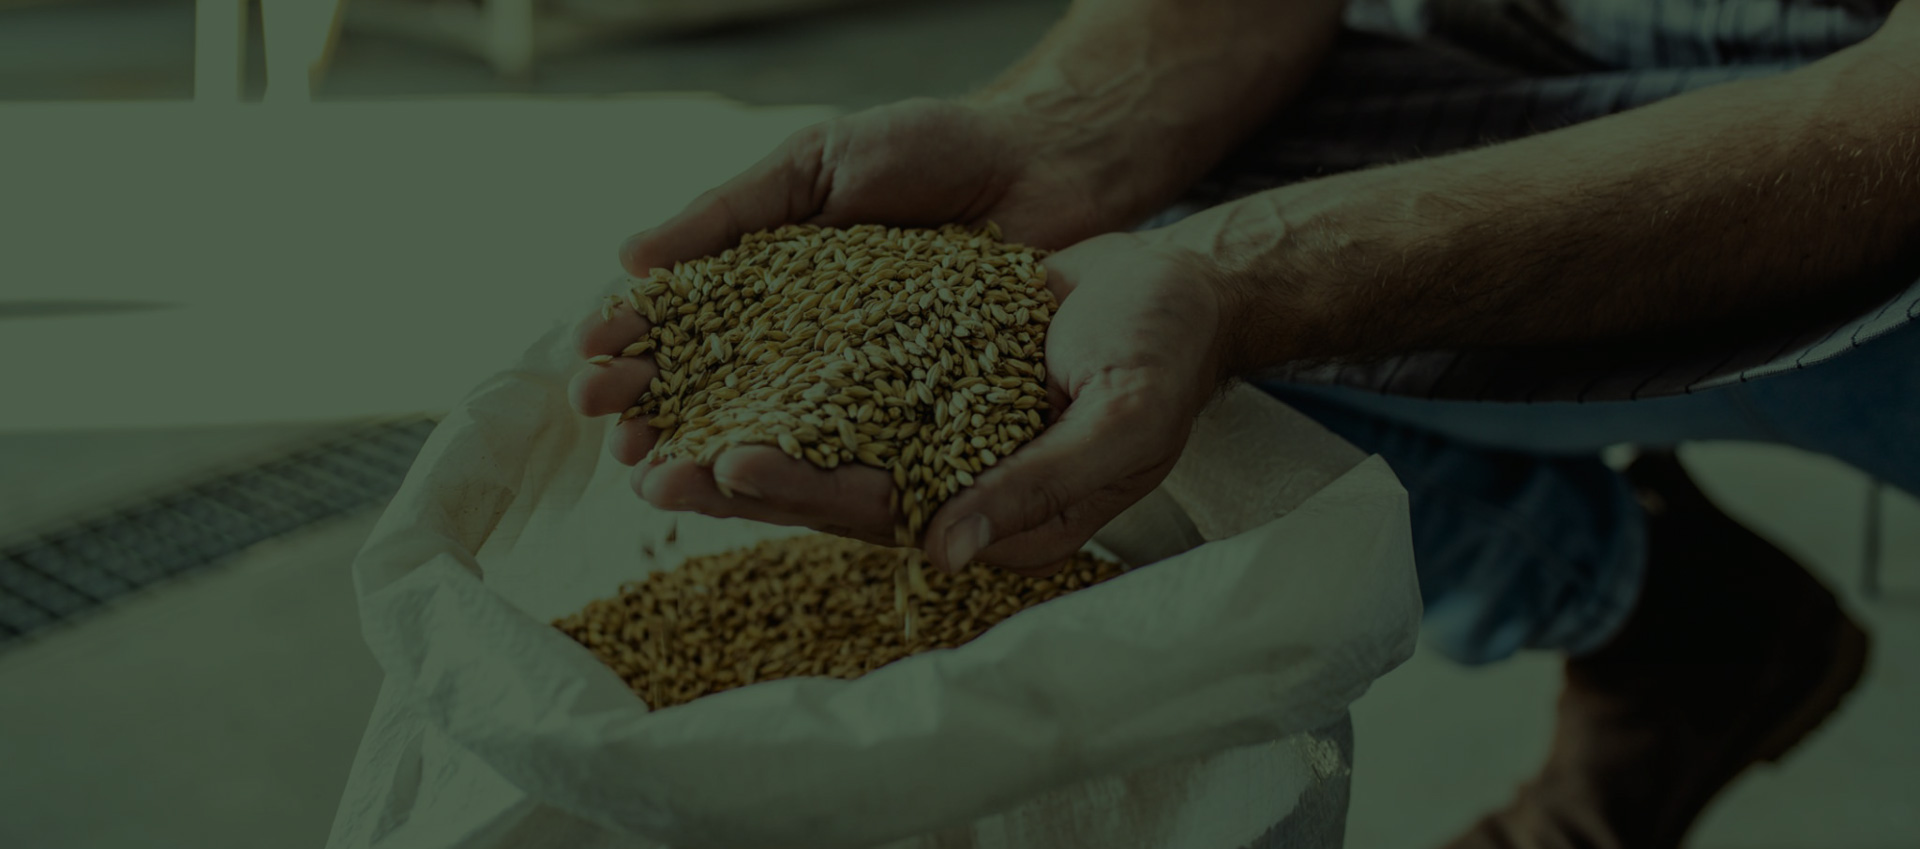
{"x": 1468, "y": 637}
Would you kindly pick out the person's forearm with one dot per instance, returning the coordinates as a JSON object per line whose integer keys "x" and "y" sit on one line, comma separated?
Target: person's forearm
{"x": 1708, "y": 213}
{"x": 1144, "y": 96}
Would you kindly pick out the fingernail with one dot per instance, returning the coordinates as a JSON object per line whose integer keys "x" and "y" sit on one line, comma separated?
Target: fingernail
{"x": 741, "y": 487}
{"x": 965, "y": 539}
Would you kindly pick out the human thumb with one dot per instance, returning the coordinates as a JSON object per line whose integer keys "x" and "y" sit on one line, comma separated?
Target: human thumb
{"x": 1033, "y": 494}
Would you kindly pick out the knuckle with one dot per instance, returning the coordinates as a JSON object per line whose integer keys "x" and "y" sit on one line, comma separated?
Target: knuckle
{"x": 1046, "y": 500}
{"x": 1035, "y": 554}
{"x": 806, "y": 142}
{"x": 636, "y": 249}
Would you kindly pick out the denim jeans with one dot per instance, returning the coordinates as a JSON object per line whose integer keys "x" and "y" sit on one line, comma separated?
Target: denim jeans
{"x": 1525, "y": 539}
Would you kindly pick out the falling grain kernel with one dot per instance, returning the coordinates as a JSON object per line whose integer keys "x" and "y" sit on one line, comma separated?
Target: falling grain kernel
{"x": 917, "y": 577}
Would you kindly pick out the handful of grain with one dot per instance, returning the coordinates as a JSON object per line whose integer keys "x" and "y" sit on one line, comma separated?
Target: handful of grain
{"x": 808, "y": 605}
{"x": 919, "y": 352}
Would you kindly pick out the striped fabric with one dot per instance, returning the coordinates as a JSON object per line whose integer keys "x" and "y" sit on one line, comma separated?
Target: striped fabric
{"x": 1423, "y": 77}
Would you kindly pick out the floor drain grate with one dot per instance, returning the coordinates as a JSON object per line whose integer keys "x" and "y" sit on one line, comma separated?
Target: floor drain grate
{"x": 76, "y": 568}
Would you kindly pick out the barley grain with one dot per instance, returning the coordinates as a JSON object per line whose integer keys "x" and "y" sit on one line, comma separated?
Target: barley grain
{"x": 798, "y": 606}
{"x": 802, "y": 337}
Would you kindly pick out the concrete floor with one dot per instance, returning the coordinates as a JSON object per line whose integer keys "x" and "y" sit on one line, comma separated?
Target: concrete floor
{"x": 222, "y": 711}
{"x": 218, "y": 712}
{"x": 54, "y": 476}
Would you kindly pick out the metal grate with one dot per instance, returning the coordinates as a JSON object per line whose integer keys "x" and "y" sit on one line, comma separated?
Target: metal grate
{"x": 75, "y": 569}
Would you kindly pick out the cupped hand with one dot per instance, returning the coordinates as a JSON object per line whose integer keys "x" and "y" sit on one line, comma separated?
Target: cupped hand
{"x": 918, "y": 163}
{"x": 1134, "y": 354}
{"x": 754, "y": 482}
{"x": 926, "y": 163}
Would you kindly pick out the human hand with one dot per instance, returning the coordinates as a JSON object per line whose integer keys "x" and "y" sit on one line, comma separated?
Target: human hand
{"x": 1133, "y": 354}
{"x": 917, "y": 163}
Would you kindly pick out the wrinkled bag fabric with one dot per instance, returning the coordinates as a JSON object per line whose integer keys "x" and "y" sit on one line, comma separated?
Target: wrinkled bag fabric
{"x": 1273, "y": 582}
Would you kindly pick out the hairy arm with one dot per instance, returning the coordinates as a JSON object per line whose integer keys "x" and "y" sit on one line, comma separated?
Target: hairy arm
{"x": 1743, "y": 203}
{"x": 1145, "y": 96}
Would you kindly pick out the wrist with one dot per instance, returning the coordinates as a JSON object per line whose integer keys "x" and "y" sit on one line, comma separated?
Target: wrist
{"x": 1325, "y": 270}
{"x": 1234, "y": 301}
{"x": 1272, "y": 310}
{"x": 1097, "y": 154}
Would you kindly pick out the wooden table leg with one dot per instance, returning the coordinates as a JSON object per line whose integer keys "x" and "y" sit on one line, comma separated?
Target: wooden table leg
{"x": 219, "y": 50}
{"x": 509, "y": 34}
{"x": 300, "y": 36}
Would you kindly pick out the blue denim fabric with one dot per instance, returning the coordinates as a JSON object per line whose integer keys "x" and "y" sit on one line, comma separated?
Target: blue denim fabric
{"x": 1524, "y": 539}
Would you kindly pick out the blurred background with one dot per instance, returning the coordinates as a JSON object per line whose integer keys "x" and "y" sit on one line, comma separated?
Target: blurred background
{"x": 185, "y": 481}
{"x": 847, "y": 53}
